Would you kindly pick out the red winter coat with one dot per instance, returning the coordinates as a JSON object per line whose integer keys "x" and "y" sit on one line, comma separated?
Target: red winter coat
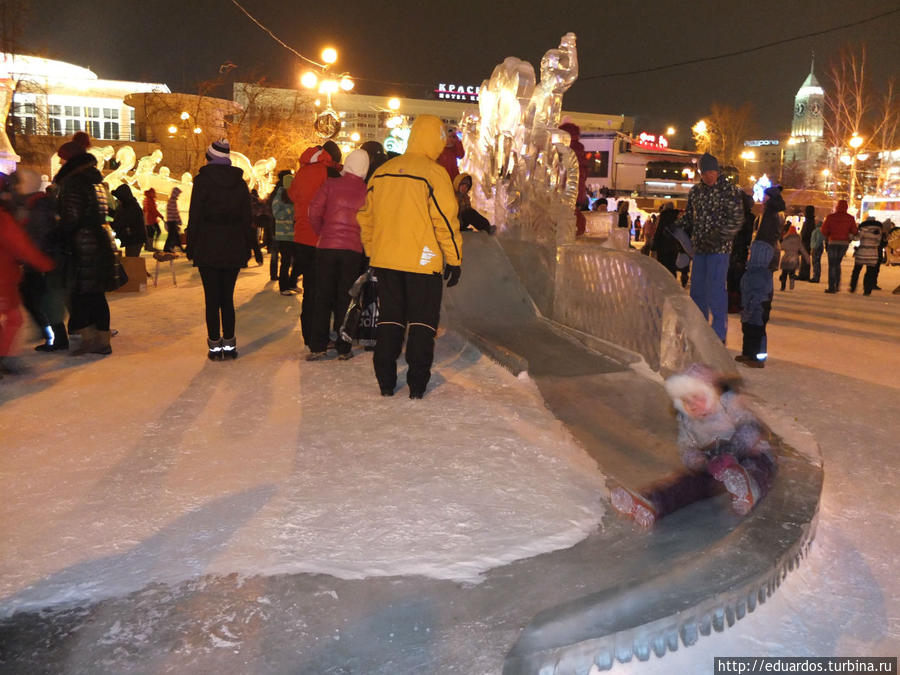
{"x": 332, "y": 213}
{"x": 16, "y": 248}
{"x": 839, "y": 227}
{"x": 450, "y": 154}
{"x": 151, "y": 212}
{"x": 313, "y": 171}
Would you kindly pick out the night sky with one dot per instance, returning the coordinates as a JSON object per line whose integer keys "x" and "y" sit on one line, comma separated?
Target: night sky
{"x": 420, "y": 43}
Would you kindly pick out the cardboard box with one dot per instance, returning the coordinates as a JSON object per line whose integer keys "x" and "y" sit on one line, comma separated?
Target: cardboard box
{"x": 136, "y": 269}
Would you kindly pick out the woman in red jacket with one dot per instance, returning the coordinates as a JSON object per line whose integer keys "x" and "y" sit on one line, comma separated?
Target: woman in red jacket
{"x": 15, "y": 248}
{"x": 339, "y": 257}
{"x": 838, "y": 229}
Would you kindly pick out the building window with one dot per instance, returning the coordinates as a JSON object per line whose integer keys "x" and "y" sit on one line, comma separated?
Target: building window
{"x": 25, "y": 118}
{"x": 132, "y": 132}
{"x": 72, "y": 126}
{"x": 597, "y": 164}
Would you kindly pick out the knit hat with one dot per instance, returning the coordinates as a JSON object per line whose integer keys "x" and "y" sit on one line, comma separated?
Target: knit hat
{"x": 219, "y": 152}
{"x": 761, "y": 254}
{"x": 708, "y": 163}
{"x": 357, "y": 163}
{"x": 696, "y": 380}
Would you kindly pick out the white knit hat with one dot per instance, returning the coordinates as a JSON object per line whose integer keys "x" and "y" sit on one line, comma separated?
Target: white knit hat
{"x": 357, "y": 163}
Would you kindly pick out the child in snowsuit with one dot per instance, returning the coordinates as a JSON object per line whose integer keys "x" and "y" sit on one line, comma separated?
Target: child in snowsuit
{"x": 467, "y": 215}
{"x": 722, "y": 445}
{"x": 792, "y": 250}
{"x": 756, "y": 300}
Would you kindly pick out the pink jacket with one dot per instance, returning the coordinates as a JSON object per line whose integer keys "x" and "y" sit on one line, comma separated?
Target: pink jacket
{"x": 332, "y": 213}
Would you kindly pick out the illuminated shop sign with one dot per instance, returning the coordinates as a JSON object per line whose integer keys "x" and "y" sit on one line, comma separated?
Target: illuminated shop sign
{"x": 646, "y": 140}
{"x": 457, "y": 92}
{"x": 756, "y": 144}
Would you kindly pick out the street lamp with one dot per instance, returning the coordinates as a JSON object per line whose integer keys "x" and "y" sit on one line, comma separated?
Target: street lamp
{"x": 855, "y": 142}
{"x": 327, "y": 122}
{"x": 670, "y": 131}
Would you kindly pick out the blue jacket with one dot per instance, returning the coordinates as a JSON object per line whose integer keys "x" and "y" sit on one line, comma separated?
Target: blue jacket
{"x": 756, "y": 284}
{"x": 283, "y": 212}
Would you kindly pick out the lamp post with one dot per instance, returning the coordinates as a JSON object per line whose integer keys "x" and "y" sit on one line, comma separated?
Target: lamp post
{"x": 327, "y": 123}
{"x": 188, "y": 130}
{"x": 855, "y": 142}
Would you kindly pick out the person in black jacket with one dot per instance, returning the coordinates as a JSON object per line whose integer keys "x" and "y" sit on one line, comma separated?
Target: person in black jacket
{"x": 220, "y": 237}
{"x": 128, "y": 223}
{"x": 90, "y": 251}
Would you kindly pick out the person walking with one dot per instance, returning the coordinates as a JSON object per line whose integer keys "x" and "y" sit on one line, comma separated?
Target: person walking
{"x": 713, "y": 216}
{"x": 173, "y": 222}
{"x": 809, "y": 226}
{"x": 839, "y": 227}
{"x": 128, "y": 221}
{"x": 867, "y": 255}
{"x": 15, "y": 247}
{"x": 90, "y": 251}
{"x": 410, "y": 230}
{"x": 43, "y": 292}
{"x": 219, "y": 242}
{"x": 339, "y": 258}
{"x": 817, "y": 248}
{"x": 152, "y": 216}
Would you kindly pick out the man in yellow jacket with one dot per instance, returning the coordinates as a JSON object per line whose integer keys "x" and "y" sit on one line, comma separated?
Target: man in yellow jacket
{"x": 410, "y": 231}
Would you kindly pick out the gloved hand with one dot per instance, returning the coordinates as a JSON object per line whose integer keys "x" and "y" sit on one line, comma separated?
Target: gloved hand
{"x": 451, "y": 273}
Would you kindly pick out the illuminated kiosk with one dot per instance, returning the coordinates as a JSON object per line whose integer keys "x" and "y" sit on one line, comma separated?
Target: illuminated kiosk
{"x": 596, "y": 330}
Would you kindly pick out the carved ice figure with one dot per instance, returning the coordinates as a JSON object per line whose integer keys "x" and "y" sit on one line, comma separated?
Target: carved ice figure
{"x": 126, "y": 159}
{"x": 241, "y": 161}
{"x": 264, "y": 171}
{"x": 102, "y": 154}
{"x": 518, "y": 156}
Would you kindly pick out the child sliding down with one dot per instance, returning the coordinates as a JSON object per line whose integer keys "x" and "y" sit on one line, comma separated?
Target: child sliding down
{"x": 722, "y": 445}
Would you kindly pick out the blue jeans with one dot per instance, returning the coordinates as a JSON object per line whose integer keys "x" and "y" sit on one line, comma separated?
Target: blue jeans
{"x": 835, "y": 253}
{"x": 708, "y": 274}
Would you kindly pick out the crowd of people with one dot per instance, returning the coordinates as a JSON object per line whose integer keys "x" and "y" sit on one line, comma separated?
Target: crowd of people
{"x": 733, "y": 254}
{"x": 324, "y": 224}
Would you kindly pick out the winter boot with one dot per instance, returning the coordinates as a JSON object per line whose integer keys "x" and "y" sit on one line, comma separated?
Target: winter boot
{"x": 55, "y": 339}
{"x": 215, "y": 349}
{"x": 633, "y": 505}
{"x": 101, "y": 344}
{"x": 229, "y": 348}
{"x": 89, "y": 340}
{"x": 743, "y": 489}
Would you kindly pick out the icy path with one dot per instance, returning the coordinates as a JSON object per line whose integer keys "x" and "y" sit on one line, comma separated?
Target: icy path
{"x": 154, "y": 464}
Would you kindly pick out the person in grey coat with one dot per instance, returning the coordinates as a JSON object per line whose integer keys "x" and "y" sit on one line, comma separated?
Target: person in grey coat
{"x": 867, "y": 254}
{"x": 792, "y": 249}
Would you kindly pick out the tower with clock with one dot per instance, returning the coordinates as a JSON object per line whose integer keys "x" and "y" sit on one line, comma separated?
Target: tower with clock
{"x": 806, "y": 145}
{"x": 808, "y": 105}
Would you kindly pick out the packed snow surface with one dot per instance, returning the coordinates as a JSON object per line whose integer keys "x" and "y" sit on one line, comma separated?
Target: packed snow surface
{"x": 154, "y": 464}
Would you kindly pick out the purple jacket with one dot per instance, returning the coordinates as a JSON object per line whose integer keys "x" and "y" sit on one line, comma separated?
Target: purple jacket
{"x": 332, "y": 213}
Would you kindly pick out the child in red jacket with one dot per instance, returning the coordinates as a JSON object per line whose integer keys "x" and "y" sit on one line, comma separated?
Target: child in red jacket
{"x": 15, "y": 248}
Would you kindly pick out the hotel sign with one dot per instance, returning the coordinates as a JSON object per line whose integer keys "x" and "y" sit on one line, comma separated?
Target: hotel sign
{"x": 646, "y": 140}
{"x": 457, "y": 92}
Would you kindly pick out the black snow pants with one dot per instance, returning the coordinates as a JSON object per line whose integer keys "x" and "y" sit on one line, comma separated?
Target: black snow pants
{"x": 406, "y": 300}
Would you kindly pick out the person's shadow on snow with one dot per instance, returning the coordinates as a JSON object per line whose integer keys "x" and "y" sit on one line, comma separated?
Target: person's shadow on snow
{"x": 181, "y": 550}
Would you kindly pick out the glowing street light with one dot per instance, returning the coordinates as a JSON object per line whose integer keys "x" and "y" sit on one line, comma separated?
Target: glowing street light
{"x": 309, "y": 79}
{"x": 329, "y": 55}
{"x": 855, "y": 142}
{"x": 394, "y": 104}
{"x": 670, "y": 131}
{"x": 355, "y": 137}
{"x": 173, "y": 129}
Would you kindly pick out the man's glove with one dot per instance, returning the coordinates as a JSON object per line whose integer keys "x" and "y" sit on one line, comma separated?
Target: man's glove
{"x": 451, "y": 273}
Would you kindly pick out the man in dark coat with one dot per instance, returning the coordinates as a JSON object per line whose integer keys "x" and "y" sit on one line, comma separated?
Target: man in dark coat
{"x": 128, "y": 223}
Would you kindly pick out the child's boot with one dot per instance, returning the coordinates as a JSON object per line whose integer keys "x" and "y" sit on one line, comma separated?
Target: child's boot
{"x": 215, "y": 349}
{"x": 229, "y": 348}
{"x": 740, "y": 485}
{"x": 633, "y": 505}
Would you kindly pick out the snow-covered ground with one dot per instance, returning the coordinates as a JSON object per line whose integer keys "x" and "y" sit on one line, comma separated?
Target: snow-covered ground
{"x": 154, "y": 464}
{"x": 112, "y": 466}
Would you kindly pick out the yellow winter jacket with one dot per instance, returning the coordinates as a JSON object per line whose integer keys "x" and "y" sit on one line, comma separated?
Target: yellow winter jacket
{"x": 409, "y": 221}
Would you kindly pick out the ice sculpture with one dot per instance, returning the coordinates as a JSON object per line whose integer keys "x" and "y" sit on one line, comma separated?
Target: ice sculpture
{"x": 526, "y": 174}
